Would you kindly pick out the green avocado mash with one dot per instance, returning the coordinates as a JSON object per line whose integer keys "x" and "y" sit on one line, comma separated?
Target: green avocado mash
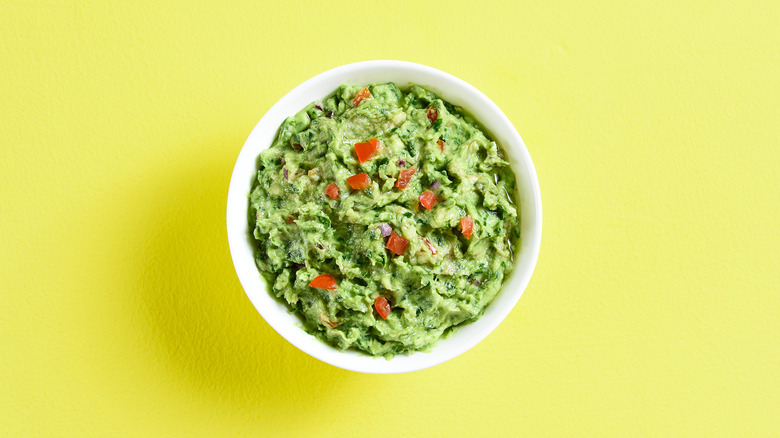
{"x": 365, "y": 261}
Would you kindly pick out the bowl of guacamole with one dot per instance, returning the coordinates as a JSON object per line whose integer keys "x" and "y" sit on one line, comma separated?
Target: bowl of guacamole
{"x": 384, "y": 216}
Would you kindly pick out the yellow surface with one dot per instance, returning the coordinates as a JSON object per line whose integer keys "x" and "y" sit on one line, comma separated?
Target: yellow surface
{"x": 655, "y": 129}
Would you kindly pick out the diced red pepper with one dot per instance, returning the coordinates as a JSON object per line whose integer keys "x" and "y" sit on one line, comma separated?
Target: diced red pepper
{"x": 441, "y": 145}
{"x": 430, "y": 246}
{"x": 433, "y": 115}
{"x": 404, "y": 177}
{"x": 324, "y": 281}
{"x": 366, "y": 150}
{"x": 397, "y": 244}
{"x": 333, "y": 191}
{"x": 428, "y": 199}
{"x": 360, "y": 181}
{"x": 466, "y": 226}
{"x": 382, "y": 307}
{"x": 362, "y": 94}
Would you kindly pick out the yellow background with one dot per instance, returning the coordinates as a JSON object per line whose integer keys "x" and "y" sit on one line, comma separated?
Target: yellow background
{"x": 655, "y": 130}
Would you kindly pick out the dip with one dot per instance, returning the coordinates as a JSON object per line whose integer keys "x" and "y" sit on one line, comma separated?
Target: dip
{"x": 384, "y": 218}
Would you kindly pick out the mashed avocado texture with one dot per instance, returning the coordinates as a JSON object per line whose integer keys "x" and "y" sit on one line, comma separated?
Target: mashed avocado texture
{"x": 384, "y": 217}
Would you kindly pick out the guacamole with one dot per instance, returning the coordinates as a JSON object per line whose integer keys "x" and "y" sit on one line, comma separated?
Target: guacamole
{"x": 384, "y": 217}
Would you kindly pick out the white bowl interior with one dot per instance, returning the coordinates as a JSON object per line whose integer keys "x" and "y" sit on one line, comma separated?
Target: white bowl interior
{"x": 458, "y": 93}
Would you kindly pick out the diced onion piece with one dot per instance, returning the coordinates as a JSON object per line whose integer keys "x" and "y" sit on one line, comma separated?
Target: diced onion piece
{"x": 430, "y": 246}
{"x": 385, "y": 229}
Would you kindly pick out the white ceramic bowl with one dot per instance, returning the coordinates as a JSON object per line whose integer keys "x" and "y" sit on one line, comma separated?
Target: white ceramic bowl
{"x": 456, "y": 92}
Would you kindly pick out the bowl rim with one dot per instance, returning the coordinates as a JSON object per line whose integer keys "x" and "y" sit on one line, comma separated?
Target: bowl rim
{"x": 239, "y": 234}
